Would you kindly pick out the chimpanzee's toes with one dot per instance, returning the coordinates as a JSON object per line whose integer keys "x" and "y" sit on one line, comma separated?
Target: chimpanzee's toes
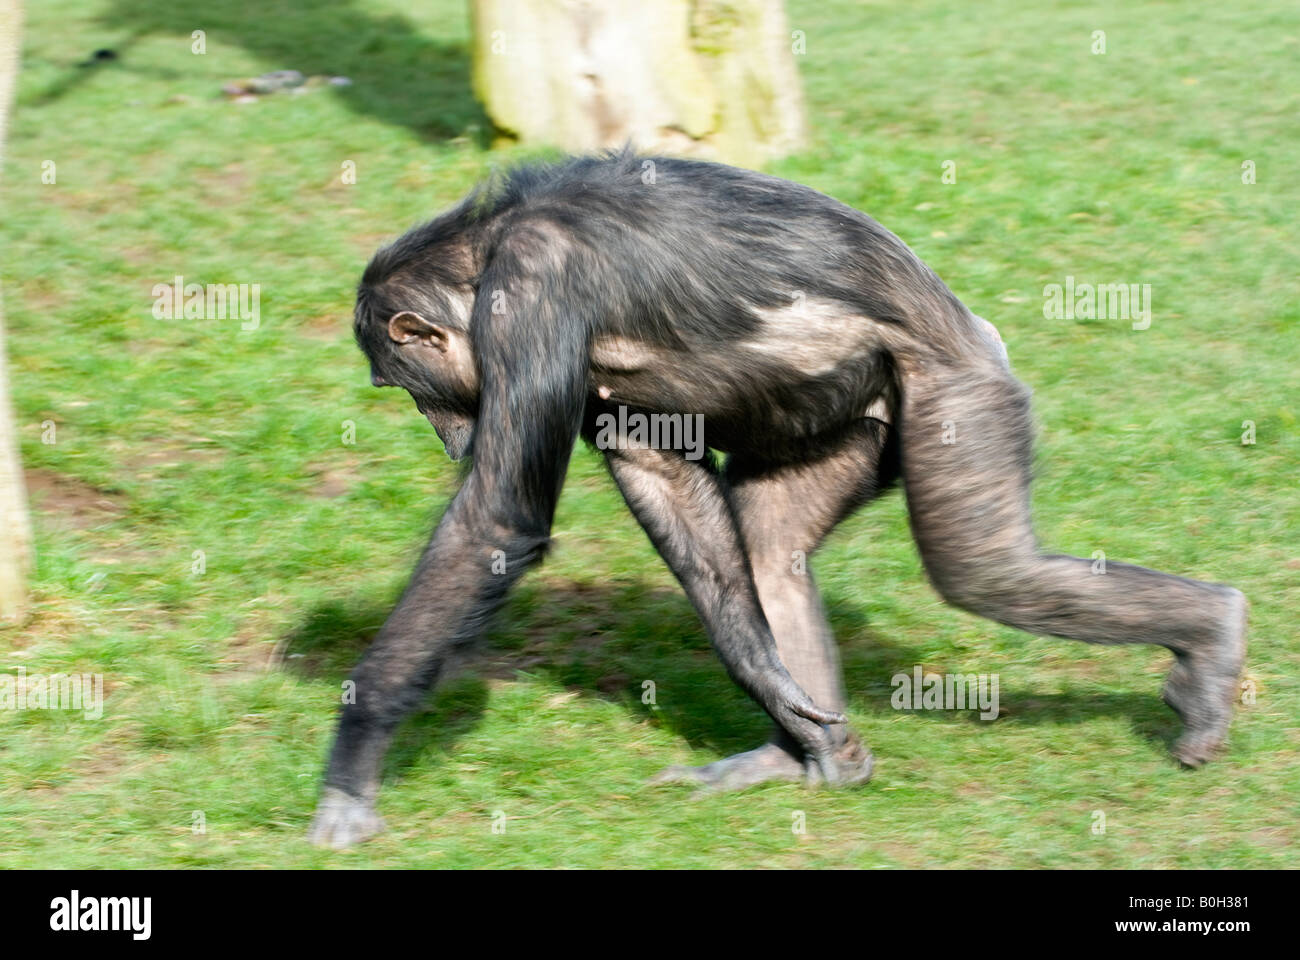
{"x": 342, "y": 820}
{"x": 769, "y": 762}
{"x": 1203, "y": 685}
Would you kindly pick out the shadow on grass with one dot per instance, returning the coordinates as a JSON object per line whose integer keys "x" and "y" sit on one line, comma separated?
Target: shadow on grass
{"x": 399, "y": 74}
{"x": 606, "y": 641}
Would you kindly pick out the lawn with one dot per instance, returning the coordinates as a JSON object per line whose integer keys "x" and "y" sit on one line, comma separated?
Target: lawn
{"x": 211, "y": 542}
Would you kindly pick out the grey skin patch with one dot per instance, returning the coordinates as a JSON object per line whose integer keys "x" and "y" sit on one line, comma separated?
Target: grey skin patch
{"x": 807, "y": 337}
{"x": 810, "y": 337}
{"x": 625, "y": 354}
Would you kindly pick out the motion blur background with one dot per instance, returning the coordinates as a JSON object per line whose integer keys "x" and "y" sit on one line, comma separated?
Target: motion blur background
{"x": 224, "y": 510}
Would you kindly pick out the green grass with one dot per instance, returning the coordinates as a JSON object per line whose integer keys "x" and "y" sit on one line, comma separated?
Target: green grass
{"x": 186, "y": 435}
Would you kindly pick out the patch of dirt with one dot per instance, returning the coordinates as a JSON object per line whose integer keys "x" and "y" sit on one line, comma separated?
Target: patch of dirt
{"x": 138, "y": 256}
{"x": 45, "y": 621}
{"x": 143, "y": 465}
{"x": 232, "y": 180}
{"x": 94, "y": 202}
{"x": 333, "y": 482}
{"x": 1279, "y": 838}
{"x": 70, "y": 499}
{"x": 37, "y": 296}
{"x": 328, "y": 327}
{"x": 88, "y": 772}
{"x": 139, "y": 347}
{"x": 249, "y": 650}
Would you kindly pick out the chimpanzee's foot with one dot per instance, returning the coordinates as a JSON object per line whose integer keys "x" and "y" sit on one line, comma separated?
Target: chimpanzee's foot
{"x": 771, "y": 762}
{"x": 853, "y": 759}
{"x": 768, "y": 762}
{"x": 342, "y": 820}
{"x": 1203, "y": 686}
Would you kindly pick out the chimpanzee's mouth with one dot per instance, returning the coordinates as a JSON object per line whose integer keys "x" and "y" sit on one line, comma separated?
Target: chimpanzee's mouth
{"x": 456, "y": 435}
{"x": 428, "y": 415}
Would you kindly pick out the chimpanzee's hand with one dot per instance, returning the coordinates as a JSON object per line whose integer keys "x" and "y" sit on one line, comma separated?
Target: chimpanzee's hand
{"x": 807, "y": 723}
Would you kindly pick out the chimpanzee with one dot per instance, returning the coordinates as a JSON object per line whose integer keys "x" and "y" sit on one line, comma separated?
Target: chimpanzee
{"x": 826, "y": 361}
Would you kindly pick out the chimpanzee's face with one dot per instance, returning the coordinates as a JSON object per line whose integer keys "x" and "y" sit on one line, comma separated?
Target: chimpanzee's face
{"x": 434, "y": 362}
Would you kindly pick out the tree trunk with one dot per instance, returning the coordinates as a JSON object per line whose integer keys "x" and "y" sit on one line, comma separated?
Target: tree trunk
{"x": 15, "y": 525}
{"x": 715, "y": 78}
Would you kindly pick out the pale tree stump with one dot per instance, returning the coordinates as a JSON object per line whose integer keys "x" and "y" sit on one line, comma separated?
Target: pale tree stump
{"x": 693, "y": 77}
{"x": 15, "y": 525}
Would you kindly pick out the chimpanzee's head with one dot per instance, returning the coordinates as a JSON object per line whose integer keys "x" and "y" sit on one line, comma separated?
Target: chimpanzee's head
{"x": 412, "y": 322}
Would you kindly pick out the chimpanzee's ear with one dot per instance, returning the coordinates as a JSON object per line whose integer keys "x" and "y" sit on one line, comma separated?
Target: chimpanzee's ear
{"x": 407, "y": 327}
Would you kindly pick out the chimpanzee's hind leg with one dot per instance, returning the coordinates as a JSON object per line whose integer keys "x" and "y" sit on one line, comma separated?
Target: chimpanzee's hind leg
{"x": 965, "y": 438}
{"x": 783, "y": 513}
